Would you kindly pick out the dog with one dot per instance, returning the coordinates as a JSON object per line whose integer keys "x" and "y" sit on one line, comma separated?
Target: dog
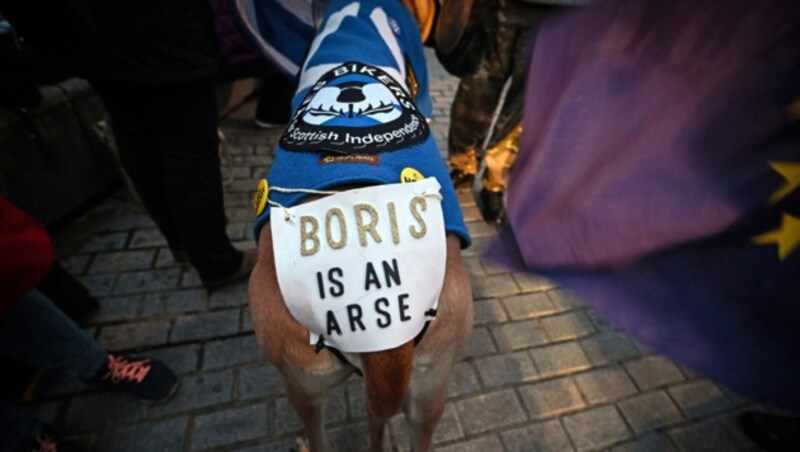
{"x": 359, "y": 266}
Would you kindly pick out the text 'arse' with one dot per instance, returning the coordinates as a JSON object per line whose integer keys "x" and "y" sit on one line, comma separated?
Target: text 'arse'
{"x": 330, "y": 284}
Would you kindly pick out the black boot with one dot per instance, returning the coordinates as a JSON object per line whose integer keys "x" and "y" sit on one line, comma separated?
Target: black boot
{"x": 492, "y": 206}
{"x": 772, "y": 432}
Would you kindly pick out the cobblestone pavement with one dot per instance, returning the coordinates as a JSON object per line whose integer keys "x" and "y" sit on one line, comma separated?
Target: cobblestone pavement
{"x": 541, "y": 371}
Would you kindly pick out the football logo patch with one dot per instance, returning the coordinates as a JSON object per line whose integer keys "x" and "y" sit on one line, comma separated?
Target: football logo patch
{"x": 355, "y": 108}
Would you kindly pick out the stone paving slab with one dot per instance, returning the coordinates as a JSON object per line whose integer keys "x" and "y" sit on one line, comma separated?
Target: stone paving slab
{"x": 541, "y": 373}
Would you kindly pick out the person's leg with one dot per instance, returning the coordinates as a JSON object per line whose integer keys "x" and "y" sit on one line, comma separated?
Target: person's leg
{"x": 140, "y": 154}
{"x": 17, "y": 426}
{"x": 183, "y": 118}
{"x": 34, "y": 331}
{"x": 773, "y": 432}
{"x": 500, "y": 160}
{"x": 474, "y": 105}
{"x": 67, "y": 293}
{"x": 501, "y": 153}
{"x": 469, "y": 119}
{"x": 274, "y": 107}
{"x": 21, "y": 430}
{"x": 511, "y": 114}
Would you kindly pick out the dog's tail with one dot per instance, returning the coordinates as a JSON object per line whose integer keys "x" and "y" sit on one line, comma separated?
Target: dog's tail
{"x": 386, "y": 376}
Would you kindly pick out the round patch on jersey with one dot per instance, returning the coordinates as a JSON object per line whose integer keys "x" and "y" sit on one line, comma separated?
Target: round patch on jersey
{"x": 260, "y": 198}
{"x": 410, "y": 174}
{"x": 355, "y": 108}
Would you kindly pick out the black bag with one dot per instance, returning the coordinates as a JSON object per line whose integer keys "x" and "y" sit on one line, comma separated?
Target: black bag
{"x": 461, "y": 37}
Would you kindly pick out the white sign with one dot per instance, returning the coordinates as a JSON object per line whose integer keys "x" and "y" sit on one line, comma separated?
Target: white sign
{"x": 363, "y": 269}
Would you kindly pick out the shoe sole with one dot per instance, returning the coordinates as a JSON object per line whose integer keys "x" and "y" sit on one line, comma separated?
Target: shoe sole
{"x": 219, "y": 284}
{"x": 167, "y": 397}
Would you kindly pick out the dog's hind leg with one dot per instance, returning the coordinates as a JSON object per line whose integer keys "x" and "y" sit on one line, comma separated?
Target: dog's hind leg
{"x": 307, "y": 375}
{"x": 439, "y": 350}
{"x": 308, "y": 396}
{"x": 424, "y": 406}
{"x": 386, "y": 377}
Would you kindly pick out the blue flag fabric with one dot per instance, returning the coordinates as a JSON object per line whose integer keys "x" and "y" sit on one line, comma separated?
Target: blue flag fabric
{"x": 282, "y": 30}
{"x": 659, "y": 178}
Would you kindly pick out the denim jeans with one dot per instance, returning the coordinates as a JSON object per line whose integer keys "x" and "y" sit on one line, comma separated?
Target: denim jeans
{"x": 18, "y": 425}
{"x": 34, "y": 331}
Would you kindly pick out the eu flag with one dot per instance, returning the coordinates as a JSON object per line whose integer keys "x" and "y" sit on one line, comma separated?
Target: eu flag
{"x": 659, "y": 178}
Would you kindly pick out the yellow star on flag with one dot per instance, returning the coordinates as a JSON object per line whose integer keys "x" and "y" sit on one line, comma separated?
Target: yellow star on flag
{"x": 791, "y": 172}
{"x": 787, "y": 236}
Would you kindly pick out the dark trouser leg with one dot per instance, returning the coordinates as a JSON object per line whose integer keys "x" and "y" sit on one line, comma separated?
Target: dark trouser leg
{"x": 186, "y": 130}
{"x": 181, "y": 122}
{"x": 140, "y": 155}
{"x": 275, "y": 94}
{"x": 67, "y": 292}
{"x": 34, "y": 331}
{"x": 17, "y": 425}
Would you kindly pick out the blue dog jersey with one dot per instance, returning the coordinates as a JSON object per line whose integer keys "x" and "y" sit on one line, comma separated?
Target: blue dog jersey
{"x": 356, "y": 115}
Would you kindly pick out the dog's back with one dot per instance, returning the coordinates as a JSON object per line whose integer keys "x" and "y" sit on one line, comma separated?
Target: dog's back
{"x": 359, "y": 121}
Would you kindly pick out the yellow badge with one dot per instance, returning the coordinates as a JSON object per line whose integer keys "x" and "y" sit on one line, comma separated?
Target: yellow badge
{"x": 409, "y": 174}
{"x": 260, "y": 198}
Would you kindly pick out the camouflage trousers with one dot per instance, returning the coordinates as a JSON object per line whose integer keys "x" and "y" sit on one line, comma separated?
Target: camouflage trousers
{"x": 478, "y": 95}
